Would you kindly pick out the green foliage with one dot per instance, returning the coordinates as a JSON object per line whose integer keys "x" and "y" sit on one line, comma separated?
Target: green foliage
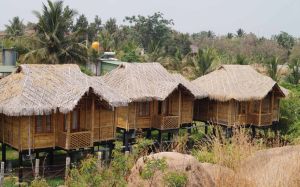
{"x": 294, "y": 75}
{"x": 85, "y": 70}
{"x": 285, "y": 40}
{"x": 142, "y": 147}
{"x": 272, "y": 67}
{"x": 53, "y": 45}
{"x": 204, "y": 155}
{"x": 241, "y": 60}
{"x": 154, "y": 28}
{"x": 130, "y": 53}
{"x": 175, "y": 179}
{"x": 10, "y": 182}
{"x": 203, "y": 61}
{"x": 39, "y": 182}
{"x": 240, "y": 32}
{"x": 87, "y": 175}
{"x": 15, "y": 27}
{"x": 151, "y": 167}
{"x": 290, "y": 113}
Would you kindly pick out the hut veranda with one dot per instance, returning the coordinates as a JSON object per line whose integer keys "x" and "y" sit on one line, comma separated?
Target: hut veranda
{"x": 45, "y": 107}
{"x": 158, "y": 99}
{"x": 238, "y": 95}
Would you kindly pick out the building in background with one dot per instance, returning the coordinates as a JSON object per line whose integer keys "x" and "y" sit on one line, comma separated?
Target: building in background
{"x": 8, "y": 63}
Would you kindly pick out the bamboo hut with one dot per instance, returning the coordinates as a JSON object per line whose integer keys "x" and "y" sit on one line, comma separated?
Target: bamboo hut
{"x": 238, "y": 95}
{"x": 159, "y": 100}
{"x": 55, "y": 106}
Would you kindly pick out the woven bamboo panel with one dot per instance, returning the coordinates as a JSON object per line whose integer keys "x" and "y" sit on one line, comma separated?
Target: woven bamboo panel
{"x": 80, "y": 140}
{"x": 170, "y": 122}
{"x": 157, "y": 121}
{"x": 61, "y": 139}
{"x": 107, "y": 133}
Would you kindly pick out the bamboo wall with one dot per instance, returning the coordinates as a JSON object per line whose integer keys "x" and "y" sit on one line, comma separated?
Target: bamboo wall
{"x": 96, "y": 124}
{"x": 259, "y": 113}
{"x": 178, "y": 108}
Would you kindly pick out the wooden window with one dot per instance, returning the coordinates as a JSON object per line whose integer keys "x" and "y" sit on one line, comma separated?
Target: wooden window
{"x": 76, "y": 120}
{"x": 160, "y": 107}
{"x": 242, "y": 107}
{"x": 43, "y": 124}
{"x": 144, "y": 109}
{"x": 256, "y": 107}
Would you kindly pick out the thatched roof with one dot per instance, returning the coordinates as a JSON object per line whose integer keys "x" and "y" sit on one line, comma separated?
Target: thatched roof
{"x": 146, "y": 82}
{"x": 239, "y": 82}
{"x": 41, "y": 89}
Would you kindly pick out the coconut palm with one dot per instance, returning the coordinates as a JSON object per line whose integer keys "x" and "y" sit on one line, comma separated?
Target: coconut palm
{"x": 272, "y": 68}
{"x": 15, "y": 27}
{"x": 294, "y": 75}
{"x": 54, "y": 43}
{"x": 203, "y": 61}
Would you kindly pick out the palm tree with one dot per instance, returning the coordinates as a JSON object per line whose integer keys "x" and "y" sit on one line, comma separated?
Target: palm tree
{"x": 15, "y": 27}
{"x": 54, "y": 43}
{"x": 203, "y": 61}
{"x": 272, "y": 68}
{"x": 294, "y": 75}
{"x": 240, "y": 32}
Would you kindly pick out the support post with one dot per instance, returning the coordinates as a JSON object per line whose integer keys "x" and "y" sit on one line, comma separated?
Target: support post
{"x": 68, "y": 161}
{"x": 205, "y": 128}
{"x": 37, "y": 155}
{"x": 169, "y": 136}
{"x": 51, "y": 157}
{"x": 126, "y": 140}
{"x": 37, "y": 168}
{"x": 20, "y": 167}
{"x": 159, "y": 139}
{"x": 68, "y": 130}
{"x": 92, "y": 122}
{"x": 214, "y": 131}
{"x": 99, "y": 158}
{"x": 2, "y": 174}
{"x": 149, "y": 135}
{"x": 3, "y": 152}
{"x": 253, "y": 131}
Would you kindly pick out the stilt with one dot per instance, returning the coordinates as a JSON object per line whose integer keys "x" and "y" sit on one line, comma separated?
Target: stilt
{"x": 169, "y": 136}
{"x": 214, "y": 131}
{"x": 51, "y": 155}
{"x": 159, "y": 137}
{"x": 126, "y": 140}
{"x": 20, "y": 167}
{"x": 37, "y": 154}
{"x": 4, "y": 152}
{"x": 206, "y": 128}
{"x": 253, "y": 131}
{"x": 92, "y": 150}
{"x": 149, "y": 135}
{"x": 228, "y": 132}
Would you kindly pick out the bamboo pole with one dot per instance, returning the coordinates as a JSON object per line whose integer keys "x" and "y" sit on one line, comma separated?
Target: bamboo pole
{"x": 92, "y": 120}
{"x": 68, "y": 121}
{"x": 260, "y": 105}
{"x": 179, "y": 109}
{"x": 37, "y": 168}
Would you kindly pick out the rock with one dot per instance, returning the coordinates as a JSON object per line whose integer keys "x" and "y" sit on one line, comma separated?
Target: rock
{"x": 273, "y": 167}
{"x": 198, "y": 174}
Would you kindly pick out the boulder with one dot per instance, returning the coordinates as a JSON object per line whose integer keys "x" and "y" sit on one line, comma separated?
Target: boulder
{"x": 272, "y": 167}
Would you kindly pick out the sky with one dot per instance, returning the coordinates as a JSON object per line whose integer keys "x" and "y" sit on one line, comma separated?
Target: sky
{"x": 262, "y": 17}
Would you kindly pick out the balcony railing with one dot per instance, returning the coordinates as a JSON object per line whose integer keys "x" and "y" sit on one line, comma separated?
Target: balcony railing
{"x": 76, "y": 140}
{"x": 266, "y": 119}
{"x": 166, "y": 122}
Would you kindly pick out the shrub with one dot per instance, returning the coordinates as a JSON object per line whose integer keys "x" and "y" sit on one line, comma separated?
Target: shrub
{"x": 151, "y": 167}
{"x": 175, "y": 179}
{"x": 39, "y": 182}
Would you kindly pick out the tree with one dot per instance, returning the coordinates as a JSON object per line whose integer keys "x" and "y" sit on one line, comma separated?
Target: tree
{"x": 229, "y": 35}
{"x": 272, "y": 68}
{"x": 210, "y": 34}
{"x": 94, "y": 29}
{"x": 130, "y": 53}
{"x": 203, "y": 61}
{"x": 55, "y": 43}
{"x": 240, "y": 32}
{"x": 294, "y": 75}
{"x": 15, "y": 27}
{"x": 81, "y": 28}
{"x": 151, "y": 29}
{"x": 111, "y": 26}
{"x": 285, "y": 40}
{"x": 177, "y": 41}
